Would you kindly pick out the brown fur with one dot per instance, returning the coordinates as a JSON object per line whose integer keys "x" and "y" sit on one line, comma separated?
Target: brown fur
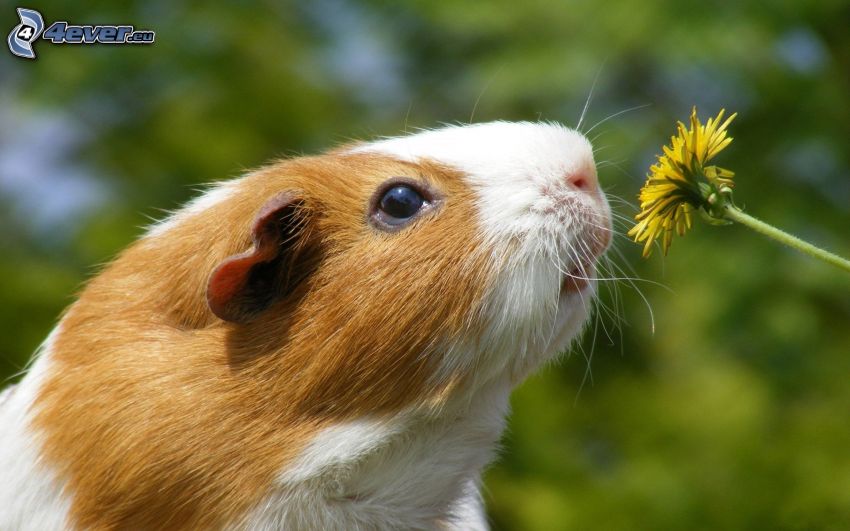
{"x": 160, "y": 415}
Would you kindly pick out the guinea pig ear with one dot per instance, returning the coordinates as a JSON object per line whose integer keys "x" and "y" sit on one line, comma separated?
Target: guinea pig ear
{"x": 245, "y": 284}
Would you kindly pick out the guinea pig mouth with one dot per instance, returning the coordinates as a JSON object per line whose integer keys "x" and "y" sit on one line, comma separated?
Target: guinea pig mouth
{"x": 583, "y": 272}
{"x": 577, "y": 279}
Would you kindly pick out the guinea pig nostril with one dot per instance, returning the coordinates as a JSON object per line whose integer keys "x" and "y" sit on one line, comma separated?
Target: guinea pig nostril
{"x": 584, "y": 180}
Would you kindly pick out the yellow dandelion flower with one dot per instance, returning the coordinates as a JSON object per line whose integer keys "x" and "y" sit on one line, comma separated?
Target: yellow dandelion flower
{"x": 680, "y": 182}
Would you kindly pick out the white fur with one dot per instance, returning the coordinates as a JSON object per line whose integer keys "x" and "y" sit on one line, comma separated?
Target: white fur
{"x": 31, "y": 496}
{"x": 339, "y": 445}
{"x": 412, "y": 471}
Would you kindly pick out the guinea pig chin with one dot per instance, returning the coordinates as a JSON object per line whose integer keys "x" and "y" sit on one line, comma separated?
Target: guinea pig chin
{"x": 543, "y": 218}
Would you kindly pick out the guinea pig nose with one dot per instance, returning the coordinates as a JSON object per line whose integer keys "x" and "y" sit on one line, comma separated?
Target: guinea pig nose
{"x": 584, "y": 180}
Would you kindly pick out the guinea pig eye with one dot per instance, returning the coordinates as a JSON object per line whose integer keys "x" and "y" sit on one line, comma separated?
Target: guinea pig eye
{"x": 401, "y": 202}
{"x": 398, "y": 202}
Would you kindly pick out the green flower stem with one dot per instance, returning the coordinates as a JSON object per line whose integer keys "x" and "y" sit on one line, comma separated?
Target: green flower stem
{"x": 734, "y": 214}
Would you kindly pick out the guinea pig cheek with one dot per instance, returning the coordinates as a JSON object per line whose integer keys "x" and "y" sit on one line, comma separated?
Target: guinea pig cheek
{"x": 544, "y": 291}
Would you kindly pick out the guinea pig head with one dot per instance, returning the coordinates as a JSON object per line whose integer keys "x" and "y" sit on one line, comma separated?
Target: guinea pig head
{"x": 385, "y": 274}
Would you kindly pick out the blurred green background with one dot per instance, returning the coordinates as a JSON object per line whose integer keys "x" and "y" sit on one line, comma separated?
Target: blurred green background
{"x": 733, "y": 414}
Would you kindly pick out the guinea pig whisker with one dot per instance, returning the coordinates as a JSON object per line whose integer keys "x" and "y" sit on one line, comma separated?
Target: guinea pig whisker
{"x": 614, "y": 289}
{"x": 618, "y": 274}
{"x": 621, "y": 218}
{"x": 598, "y": 135}
{"x": 610, "y": 162}
{"x": 616, "y": 295}
{"x": 599, "y": 321}
{"x": 614, "y": 198}
{"x": 615, "y": 115}
{"x": 631, "y": 282}
{"x": 483, "y": 90}
{"x": 587, "y": 355}
{"x": 589, "y": 97}
{"x": 630, "y": 175}
{"x": 603, "y": 310}
{"x": 588, "y": 371}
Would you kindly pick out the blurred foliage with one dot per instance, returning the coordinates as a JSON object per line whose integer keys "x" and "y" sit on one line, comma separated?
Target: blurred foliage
{"x": 733, "y": 414}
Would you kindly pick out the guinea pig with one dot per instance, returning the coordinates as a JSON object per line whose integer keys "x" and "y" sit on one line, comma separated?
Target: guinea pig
{"x": 328, "y": 342}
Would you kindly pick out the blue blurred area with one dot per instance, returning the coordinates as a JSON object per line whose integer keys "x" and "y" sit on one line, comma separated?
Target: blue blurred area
{"x": 732, "y": 414}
